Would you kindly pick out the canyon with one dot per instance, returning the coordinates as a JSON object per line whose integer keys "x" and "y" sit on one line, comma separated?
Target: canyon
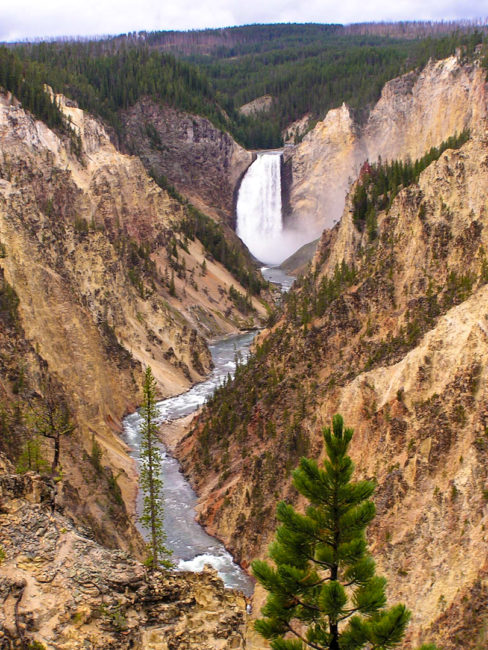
{"x": 104, "y": 280}
{"x": 102, "y": 274}
{"x": 390, "y": 331}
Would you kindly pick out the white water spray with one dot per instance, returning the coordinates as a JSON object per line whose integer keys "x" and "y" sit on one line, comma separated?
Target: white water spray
{"x": 259, "y": 218}
{"x": 259, "y": 212}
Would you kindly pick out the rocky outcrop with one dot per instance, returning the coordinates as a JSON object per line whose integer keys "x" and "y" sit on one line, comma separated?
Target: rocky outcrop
{"x": 258, "y": 105}
{"x": 396, "y": 340}
{"x": 202, "y": 162}
{"x": 415, "y": 112}
{"x": 297, "y": 263}
{"x": 59, "y": 588}
{"x": 296, "y": 129}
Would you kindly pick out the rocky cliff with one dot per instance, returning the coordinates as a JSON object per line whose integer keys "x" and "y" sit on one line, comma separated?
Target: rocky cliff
{"x": 202, "y": 162}
{"x": 258, "y": 105}
{"x": 392, "y": 332}
{"x": 59, "y": 588}
{"x": 97, "y": 279}
{"x": 414, "y": 113}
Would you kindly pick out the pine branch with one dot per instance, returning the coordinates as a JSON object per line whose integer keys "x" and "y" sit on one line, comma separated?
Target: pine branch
{"x": 298, "y": 635}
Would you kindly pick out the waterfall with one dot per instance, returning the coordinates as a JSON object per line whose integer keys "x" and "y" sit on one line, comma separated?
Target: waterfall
{"x": 259, "y": 218}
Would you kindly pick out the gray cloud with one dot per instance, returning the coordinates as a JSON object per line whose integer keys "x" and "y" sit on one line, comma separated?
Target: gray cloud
{"x": 24, "y": 19}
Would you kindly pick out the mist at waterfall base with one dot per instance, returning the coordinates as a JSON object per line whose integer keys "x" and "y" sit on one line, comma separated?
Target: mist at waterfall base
{"x": 259, "y": 213}
{"x": 192, "y": 547}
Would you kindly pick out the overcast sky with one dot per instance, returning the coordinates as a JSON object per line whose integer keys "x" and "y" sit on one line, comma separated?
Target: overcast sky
{"x": 21, "y": 19}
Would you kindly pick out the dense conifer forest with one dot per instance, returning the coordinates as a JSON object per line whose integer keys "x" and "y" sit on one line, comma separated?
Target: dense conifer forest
{"x": 307, "y": 69}
{"x": 26, "y": 83}
{"x": 312, "y": 75}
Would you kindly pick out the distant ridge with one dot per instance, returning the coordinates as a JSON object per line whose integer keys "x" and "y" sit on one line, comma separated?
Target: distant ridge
{"x": 297, "y": 263}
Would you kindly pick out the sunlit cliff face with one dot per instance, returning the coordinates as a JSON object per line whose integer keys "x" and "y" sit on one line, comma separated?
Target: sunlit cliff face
{"x": 415, "y": 112}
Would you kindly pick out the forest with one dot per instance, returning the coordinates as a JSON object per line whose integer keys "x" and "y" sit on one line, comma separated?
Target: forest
{"x": 307, "y": 69}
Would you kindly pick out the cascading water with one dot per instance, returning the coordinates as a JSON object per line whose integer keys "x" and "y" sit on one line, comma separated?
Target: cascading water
{"x": 259, "y": 212}
{"x": 259, "y": 217}
{"x": 191, "y": 545}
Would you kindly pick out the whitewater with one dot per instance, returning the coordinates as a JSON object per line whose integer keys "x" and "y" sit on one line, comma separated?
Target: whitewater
{"x": 192, "y": 547}
{"x": 259, "y": 212}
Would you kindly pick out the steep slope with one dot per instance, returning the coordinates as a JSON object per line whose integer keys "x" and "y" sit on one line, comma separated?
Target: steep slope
{"x": 414, "y": 113}
{"x": 99, "y": 279}
{"x": 61, "y": 589}
{"x": 202, "y": 162}
{"x": 392, "y": 333}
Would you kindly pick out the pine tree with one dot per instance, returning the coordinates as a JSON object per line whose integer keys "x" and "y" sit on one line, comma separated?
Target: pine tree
{"x": 51, "y": 418}
{"x": 31, "y": 458}
{"x": 323, "y": 591}
{"x": 150, "y": 479}
{"x": 172, "y": 287}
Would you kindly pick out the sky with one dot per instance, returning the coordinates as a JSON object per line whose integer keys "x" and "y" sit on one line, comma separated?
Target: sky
{"x": 27, "y": 19}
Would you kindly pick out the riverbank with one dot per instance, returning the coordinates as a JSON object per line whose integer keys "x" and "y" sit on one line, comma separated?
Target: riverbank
{"x": 191, "y": 545}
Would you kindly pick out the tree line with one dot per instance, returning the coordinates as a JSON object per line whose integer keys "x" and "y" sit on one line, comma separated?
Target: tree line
{"x": 308, "y": 69}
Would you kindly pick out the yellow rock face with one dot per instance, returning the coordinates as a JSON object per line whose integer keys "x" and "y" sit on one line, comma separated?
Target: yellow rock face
{"x": 402, "y": 354}
{"x": 413, "y": 114}
{"x": 76, "y": 594}
{"x": 91, "y": 246}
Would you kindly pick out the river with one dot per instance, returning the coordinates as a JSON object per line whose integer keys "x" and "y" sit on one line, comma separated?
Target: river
{"x": 275, "y": 275}
{"x": 192, "y": 547}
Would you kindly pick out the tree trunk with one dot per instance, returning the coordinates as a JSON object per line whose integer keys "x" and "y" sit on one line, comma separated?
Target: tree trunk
{"x": 334, "y": 644}
{"x": 56, "y": 453}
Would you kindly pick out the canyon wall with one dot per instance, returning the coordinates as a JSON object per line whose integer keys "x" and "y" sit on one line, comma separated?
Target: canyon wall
{"x": 98, "y": 279}
{"x": 395, "y": 339}
{"x": 202, "y": 162}
{"x": 414, "y": 113}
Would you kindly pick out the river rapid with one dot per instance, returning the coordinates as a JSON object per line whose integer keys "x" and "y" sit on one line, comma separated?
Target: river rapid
{"x": 192, "y": 547}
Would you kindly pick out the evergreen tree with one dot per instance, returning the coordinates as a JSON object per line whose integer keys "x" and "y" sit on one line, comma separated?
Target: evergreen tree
{"x": 31, "y": 458}
{"x": 51, "y": 419}
{"x": 150, "y": 479}
{"x": 323, "y": 590}
{"x": 172, "y": 287}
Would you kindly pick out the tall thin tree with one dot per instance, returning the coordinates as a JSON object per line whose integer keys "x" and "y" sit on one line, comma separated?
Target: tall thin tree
{"x": 50, "y": 417}
{"x": 150, "y": 480}
{"x": 323, "y": 591}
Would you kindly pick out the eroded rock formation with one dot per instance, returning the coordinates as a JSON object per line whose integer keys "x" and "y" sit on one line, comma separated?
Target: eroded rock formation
{"x": 203, "y": 163}
{"x": 415, "y": 112}
{"x": 399, "y": 346}
{"x": 60, "y": 588}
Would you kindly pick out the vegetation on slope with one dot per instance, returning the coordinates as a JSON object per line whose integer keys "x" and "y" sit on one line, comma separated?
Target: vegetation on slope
{"x": 26, "y": 80}
{"x": 379, "y": 183}
{"x": 308, "y": 69}
{"x": 211, "y": 234}
{"x": 332, "y": 327}
{"x": 105, "y": 78}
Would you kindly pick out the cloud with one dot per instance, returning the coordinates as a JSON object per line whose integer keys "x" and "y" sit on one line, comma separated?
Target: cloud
{"x": 25, "y": 19}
